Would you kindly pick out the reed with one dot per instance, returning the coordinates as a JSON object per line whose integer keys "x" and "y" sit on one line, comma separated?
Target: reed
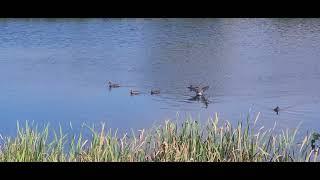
{"x": 186, "y": 142}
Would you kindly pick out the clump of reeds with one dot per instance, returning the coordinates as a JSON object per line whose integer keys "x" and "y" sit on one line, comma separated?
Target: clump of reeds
{"x": 214, "y": 142}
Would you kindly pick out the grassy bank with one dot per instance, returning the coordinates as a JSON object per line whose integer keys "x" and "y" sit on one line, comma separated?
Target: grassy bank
{"x": 214, "y": 141}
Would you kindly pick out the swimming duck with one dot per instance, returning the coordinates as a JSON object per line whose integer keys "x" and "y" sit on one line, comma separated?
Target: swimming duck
{"x": 199, "y": 91}
{"x": 155, "y": 92}
{"x": 134, "y": 92}
{"x": 113, "y": 85}
{"x": 277, "y": 109}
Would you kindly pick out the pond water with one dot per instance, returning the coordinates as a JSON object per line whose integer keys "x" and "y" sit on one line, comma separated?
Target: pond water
{"x": 55, "y": 71}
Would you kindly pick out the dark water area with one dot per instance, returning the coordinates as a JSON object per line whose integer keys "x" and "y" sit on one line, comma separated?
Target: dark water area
{"x": 55, "y": 71}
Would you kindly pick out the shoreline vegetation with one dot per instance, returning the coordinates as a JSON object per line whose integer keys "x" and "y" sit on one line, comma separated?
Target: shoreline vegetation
{"x": 171, "y": 142}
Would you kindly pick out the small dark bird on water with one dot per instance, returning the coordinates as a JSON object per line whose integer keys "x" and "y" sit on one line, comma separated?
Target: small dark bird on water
{"x": 134, "y": 92}
{"x": 155, "y": 91}
{"x": 277, "y": 109}
{"x": 200, "y": 91}
{"x": 113, "y": 85}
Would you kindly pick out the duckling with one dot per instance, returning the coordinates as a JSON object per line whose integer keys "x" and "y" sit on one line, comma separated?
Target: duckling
{"x": 113, "y": 85}
{"x": 134, "y": 92}
{"x": 155, "y": 92}
{"x": 277, "y": 109}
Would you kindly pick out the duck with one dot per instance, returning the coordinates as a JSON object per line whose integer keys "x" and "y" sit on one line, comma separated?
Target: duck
{"x": 155, "y": 92}
{"x": 200, "y": 91}
{"x": 134, "y": 92}
{"x": 277, "y": 109}
{"x": 113, "y": 85}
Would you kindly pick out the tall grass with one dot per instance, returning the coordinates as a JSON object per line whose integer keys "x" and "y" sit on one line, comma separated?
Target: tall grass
{"x": 214, "y": 142}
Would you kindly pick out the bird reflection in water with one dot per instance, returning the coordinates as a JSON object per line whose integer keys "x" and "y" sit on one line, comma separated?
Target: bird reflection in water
{"x": 201, "y": 99}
